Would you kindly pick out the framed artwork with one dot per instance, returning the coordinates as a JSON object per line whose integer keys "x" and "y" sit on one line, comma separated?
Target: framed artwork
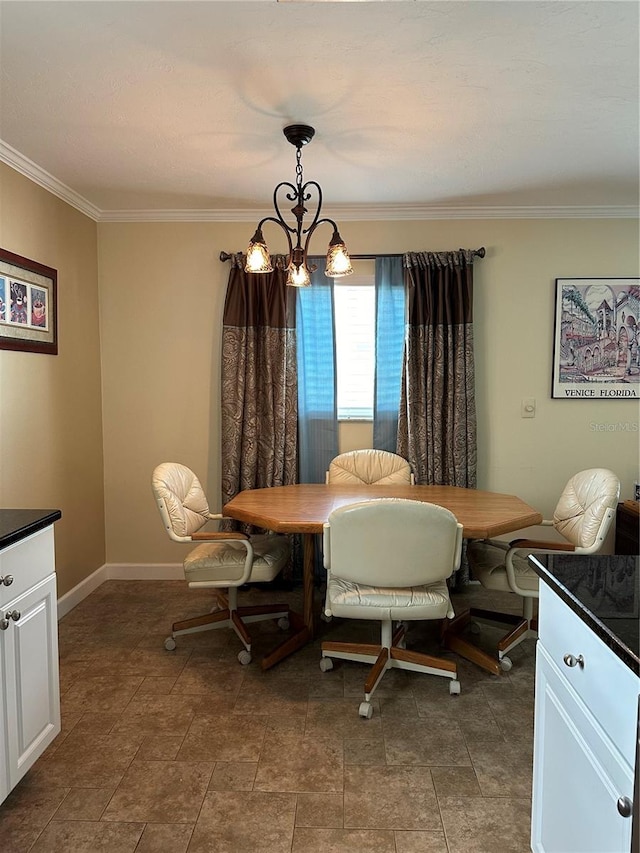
{"x": 597, "y": 339}
{"x": 28, "y": 308}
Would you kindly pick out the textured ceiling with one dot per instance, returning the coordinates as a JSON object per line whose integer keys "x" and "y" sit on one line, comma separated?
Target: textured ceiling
{"x": 179, "y": 106}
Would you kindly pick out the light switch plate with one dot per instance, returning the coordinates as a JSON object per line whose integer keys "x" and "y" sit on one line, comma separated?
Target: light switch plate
{"x": 528, "y": 408}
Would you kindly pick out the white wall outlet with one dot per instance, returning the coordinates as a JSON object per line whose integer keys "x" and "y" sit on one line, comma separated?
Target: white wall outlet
{"x": 528, "y": 408}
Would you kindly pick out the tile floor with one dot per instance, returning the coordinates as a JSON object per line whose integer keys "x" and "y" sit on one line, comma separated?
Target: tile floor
{"x": 189, "y": 752}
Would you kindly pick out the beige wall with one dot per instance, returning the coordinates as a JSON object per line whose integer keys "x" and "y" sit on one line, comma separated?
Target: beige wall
{"x": 50, "y": 406}
{"x": 162, "y": 291}
{"x": 151, "y": 294}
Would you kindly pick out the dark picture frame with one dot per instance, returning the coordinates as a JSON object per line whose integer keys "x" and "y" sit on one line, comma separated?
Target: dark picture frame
{"x": 28, "y": 305}
{"x": 596, "y": 344}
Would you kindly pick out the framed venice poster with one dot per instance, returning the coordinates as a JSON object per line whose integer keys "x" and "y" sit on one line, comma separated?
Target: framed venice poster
{"x": 596, "y": 339}
{"x": 28, "y": 309}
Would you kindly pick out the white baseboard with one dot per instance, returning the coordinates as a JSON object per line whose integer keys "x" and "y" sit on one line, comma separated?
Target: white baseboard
{"x": 118, "y": 571}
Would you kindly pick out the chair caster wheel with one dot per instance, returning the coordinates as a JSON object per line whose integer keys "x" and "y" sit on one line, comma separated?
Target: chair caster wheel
{"x": 326, "y": 664}
{"x": 474, "y": 628}
{"x": 283, "y": 623}
{"x": 505, "y": 664}
{"x": 454, "y": 687}
{"x": 244, "y": 657}
{"x": 325, "y": 617}
{"x": 365, "y": 710}
{"x": 169, "y": 644}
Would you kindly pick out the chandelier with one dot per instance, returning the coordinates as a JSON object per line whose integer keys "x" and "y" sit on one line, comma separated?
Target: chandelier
{"x": 298, "y": 268}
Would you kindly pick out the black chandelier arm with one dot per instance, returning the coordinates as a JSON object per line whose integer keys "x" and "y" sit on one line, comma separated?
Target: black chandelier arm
{"x": 287, "y": 230}
{"x": 310, "y": 231}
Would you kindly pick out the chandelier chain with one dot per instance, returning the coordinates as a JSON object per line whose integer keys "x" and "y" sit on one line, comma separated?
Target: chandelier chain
{"x": 299, "y": 168}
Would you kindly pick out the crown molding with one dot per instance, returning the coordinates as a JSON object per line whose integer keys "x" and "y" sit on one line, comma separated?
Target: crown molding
{"x": 372, "y": 212}
{"x": 348, "y": 213}
{"x": 38, "y": 175}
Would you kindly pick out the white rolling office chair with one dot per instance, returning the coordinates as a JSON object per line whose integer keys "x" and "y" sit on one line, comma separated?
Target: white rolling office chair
{"x": 368, "y": 467}
{"x": 388, "y": 559}
{"x": 583, "y": 516}
{"x": 220, "y": 560}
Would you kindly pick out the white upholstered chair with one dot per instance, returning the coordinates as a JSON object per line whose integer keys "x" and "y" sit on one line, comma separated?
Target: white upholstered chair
{"x": 368, "y": 467}
{"x": 219, "y": 560}
{"x": 388, "y": 560}
{"x": 583, "y": 516}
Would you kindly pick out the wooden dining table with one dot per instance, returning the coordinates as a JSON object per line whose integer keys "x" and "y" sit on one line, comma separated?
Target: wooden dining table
{"x": 304, "y": 508}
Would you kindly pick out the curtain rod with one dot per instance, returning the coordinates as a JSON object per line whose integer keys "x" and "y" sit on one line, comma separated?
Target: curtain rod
{"x": 480, "y": 253}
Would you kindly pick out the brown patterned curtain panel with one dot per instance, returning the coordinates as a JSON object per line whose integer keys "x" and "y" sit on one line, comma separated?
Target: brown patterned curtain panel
{"x": 437, "y": 418}
{"x": 259, "y": 384}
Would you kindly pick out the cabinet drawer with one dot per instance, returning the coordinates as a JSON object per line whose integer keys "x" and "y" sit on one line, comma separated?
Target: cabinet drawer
{"x": 28, "y": 562}
{"x": 605, "y": 684}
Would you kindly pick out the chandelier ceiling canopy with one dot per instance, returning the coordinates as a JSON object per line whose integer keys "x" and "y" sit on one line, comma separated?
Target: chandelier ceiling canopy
{"x": 298, "y": 268}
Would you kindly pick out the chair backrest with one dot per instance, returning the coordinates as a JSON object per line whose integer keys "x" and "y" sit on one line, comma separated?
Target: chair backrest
{"x": 181, "y": 500}
{"x": 368, "y": 467}
{"x": 587, "y": 508}
{"x": 392, "y": 542}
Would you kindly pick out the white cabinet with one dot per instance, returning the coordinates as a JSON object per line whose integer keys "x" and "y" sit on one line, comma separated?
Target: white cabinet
{"x": 30, "y": 707}
{"x": 585, "y": 737}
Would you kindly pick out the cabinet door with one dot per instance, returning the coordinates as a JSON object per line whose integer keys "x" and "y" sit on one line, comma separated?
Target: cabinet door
{"x": 578, "y": 774}
{"x": 30, "y": 661}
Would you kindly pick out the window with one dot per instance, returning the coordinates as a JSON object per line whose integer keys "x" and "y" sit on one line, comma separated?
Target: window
{"x": 355, "y": 325}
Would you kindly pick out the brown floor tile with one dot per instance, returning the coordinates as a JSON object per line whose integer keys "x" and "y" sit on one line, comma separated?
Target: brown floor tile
{"x": 455, "y": 782}
{"x": 342, "y": 841}
{"x": 87, "y": 760}
{"x": 189, "y": 752}
{"x": 160, "y": 747}
{"x": 156, "y": 685}
{"x": 159, "y": 715}
{"x": 366, "y": 750}
{"x": 160, "y": 792}
{"x": 165, "y": 838}
{"x": 92, "y": 721}
{"x": 330, "y": 717}
{"x": 25, "y": 813}
{"x": 61, "y": 836}
{"x": 257, "y": 822}
{"x": 390, "y": 798}
{"x": 233, "y": 776}
{"x": 100, "y": 694}
{"x": 294, "y": 763}
{"x": 421, "y": 742}
{"x": 486, "y": 825}
{"x": 84, "y": 804}
{"x": 507, "y": 770}
{"x": 220, "y": 680}
{"x": 320, "y": 810}
{"x": 223, "y": 737}
{"x": 421, "y": 842}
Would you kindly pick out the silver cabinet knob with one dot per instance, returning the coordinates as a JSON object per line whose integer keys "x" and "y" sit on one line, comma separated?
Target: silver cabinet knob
{"x": 4, "y": 624}
{"x": 572, "y": 660}
{"x": 7, "y": 580}
{"x": 12, "y": 614}
{"x": 625, "y": 806}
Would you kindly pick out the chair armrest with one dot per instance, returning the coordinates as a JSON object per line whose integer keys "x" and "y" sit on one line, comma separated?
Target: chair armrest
{"x": 537, "y": 544}
{"x": 212, "y": 536}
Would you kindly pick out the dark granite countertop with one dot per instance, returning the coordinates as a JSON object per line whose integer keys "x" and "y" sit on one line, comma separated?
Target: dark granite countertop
{"x": 604, "y": 591}
{"x": 17, "y": 524}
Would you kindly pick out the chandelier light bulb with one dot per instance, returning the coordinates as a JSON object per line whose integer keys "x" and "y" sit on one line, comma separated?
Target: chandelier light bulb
{"x": 338, "y": 260}
{"x": 298, "y": 277}
{"x": 258, "y": 257}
